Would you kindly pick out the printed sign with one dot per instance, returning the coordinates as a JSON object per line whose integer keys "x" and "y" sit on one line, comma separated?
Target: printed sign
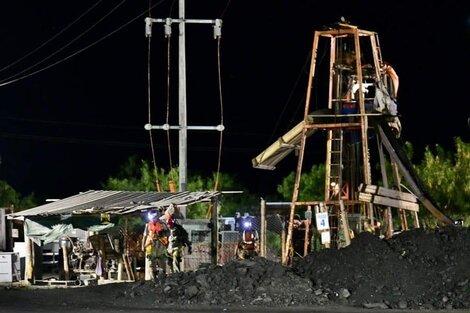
{"x": 322, "y": 221}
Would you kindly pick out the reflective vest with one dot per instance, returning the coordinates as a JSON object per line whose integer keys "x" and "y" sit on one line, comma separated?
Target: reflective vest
{"x": 156, "y": 230}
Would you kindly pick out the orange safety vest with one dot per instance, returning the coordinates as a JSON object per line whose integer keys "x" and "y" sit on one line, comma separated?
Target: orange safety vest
{"x": 156, "y": 231}
{"x": 156, "y": 227}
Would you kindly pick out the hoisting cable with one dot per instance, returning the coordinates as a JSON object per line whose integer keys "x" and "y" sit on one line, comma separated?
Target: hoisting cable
{"x": 152, "y": 146}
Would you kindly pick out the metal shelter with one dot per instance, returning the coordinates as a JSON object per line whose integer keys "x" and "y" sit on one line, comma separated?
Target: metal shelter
{"x": 116, "y": 202}
{"x": 104, "y": 203}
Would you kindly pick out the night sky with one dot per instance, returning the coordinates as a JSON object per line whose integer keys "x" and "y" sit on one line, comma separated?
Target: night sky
{"x": 80, "y": 111}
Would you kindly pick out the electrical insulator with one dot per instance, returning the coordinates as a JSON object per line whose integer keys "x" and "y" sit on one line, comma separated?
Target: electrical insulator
{"x": 148, "y": 27}
{"x": 167, "y": 27}
{"x": 218, "y": 28}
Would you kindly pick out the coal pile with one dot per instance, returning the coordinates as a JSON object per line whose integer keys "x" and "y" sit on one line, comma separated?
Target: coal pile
{"x": 417, "y": 269}
{"x": 256, "y": 281}
{"x": 426, "y": 269}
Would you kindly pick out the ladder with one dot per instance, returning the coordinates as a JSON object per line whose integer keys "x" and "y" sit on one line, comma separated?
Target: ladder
{"x": 334, "y": 164}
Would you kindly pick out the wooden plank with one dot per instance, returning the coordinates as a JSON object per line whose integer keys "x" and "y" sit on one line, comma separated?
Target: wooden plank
{"x": 53, "y": 282}
{"x": 396, "y": 203}
{"x": 368, "y": 188}
{"x": 396, "y": 194}
{"x": 391, "y": 193}
{"x": 366, "y": 197}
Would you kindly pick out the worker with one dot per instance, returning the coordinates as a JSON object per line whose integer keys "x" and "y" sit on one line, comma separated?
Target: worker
{"x": 155, "y": 242}
{"x": 385, "y": 99}
{"x": 177, "y": 242}
{"x": 390, "y": 72}
{"x": 248, "y": 243}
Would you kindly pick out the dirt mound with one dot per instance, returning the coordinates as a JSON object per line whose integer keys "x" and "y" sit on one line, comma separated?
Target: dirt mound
{"x": 418, "y": 269}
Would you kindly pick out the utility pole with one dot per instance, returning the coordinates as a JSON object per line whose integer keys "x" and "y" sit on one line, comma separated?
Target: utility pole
{"x": 183, "y": 122}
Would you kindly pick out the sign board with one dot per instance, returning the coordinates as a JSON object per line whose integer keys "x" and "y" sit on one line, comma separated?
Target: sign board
{"x": 325, "y": 237}
{"x": 322, "y": 221}
{"x": 308, "y": 215}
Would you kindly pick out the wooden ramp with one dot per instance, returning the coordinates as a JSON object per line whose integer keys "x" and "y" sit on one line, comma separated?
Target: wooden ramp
{"x": 268, "y": 159}
{"x": 321, "y": 119}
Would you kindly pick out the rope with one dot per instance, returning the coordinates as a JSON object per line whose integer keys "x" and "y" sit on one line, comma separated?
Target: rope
{"x": 219, "y": 158}
{"x": 170, "y": 159}
{"x": 152, "y": 146}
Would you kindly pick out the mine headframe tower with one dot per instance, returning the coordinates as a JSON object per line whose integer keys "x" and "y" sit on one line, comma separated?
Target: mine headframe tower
{"x": 360, "y": 107}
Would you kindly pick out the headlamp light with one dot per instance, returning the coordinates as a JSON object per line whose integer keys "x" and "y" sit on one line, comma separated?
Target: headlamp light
{"x": 151, "y": 216}
{"x": 247, "y": 225}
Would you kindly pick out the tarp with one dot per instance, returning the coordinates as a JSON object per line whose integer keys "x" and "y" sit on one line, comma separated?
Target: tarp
{"x": 39, "y": 233}
{"x": 42, "y": 234}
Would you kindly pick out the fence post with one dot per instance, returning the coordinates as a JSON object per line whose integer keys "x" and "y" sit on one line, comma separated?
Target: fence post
{"x": 263, "y": 228}
{"x": 214, "y": 233}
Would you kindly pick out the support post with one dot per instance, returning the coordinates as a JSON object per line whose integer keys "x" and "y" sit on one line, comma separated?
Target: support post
{"x": 148, "y": 269}
{"x": 214, "y": 234}
{"x": 182, "y": 99}
{"x": 65, "y": 257}
{"x": 29, "y": 260}
{"x": 263, "y": 228}
{"x": 345, "y": 223}
{"x": 388, "y": 210}
{"x": 308, "y": 222}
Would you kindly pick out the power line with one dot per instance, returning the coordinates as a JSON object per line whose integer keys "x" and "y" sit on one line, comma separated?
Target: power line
{"x": 115, "y": 143}
{"x": 51, "y": 122}
{"x": 65, "y": 46}
{"x": 52, "y": 38}
{"x": 72, "y": 140}
{"x": 14, "y": 80}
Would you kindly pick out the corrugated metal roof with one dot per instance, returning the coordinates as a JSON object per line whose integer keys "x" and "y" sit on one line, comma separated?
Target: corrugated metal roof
{"x": 116, "y": 202}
